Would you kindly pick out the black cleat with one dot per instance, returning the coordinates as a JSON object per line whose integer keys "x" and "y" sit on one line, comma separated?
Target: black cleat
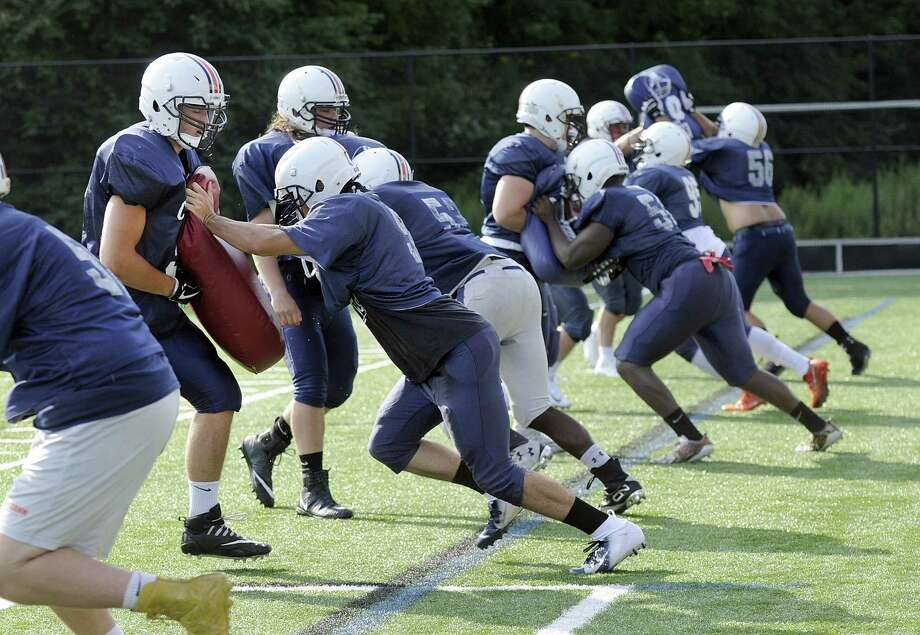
{"x": 859, "y": 356}
{"x": 618, "y": 497}
{"x": 208, "y": 535}
{"x": 316, "y": 499}
{"x": 501, "y": 515}
{"x": 260, "y": 452}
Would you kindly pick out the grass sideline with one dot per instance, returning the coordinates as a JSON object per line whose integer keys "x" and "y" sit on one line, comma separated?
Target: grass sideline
{"x": 757, "y": 539}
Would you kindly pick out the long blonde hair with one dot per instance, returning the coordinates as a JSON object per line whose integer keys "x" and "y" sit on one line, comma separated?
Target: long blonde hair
{"x": 280, "y": 123}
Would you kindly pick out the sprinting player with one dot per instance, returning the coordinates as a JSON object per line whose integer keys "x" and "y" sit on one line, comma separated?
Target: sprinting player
{"x": 553, "y": 119}
{"x": 448, "y": 354}
{"x": 737, "y": 169}
{"x": 132, "y": 214}
{"x": 665, "y": 149}
{"x": 104, "y": 401}
{"x": 321, "y": 348}
{"x": 502, "y": 292}
{"x": 695, "y": 295}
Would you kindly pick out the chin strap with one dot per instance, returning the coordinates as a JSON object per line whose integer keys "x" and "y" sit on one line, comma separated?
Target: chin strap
{"x": 710, "y": 260}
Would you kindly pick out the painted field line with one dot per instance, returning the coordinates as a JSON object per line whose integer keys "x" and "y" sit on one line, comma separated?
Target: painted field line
{"x": 16, "y": 441}
{"x": 583, "y": 612}
{"x": 11, "y": 464}
{"x": 364, "y": 615}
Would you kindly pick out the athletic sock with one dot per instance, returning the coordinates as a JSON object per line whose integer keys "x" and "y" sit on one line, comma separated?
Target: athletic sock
{"x": 282, "y": 429}
{"x": 808, "y": 418}
{"x": 699, "y": 360}
{"x": 591, "y": 520}
{"x": 594, "y": 457}
{"x": 515, "y": 438}
{"x": 605, "y": 353}
{"x": 202, "y": 496}
{"x": 682, "y": 426}
{"x": 115, "y": 630}
{"x": 138, "y": 581}
{"x": 465, "y": 478}
{"x": 841, "y": 336}
{"x": 312, "y": 462}
{"x": 611, "y": 472}
{"x": 763, "y": 344}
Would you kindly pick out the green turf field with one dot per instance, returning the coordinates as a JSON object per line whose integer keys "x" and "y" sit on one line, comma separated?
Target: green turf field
{"x": 755, "y": 539}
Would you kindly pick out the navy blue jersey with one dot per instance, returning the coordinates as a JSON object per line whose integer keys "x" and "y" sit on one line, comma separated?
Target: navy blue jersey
{"x": 366, "y": 256}
{"x": 449, "y": 250}
{"x": 666, "y": 85}
{"x": 520, "y": 155}
{"x": 142, "y": 168}
{"x": 645, "y": 235}
{"x": 677, "y": 190}
{"x": 73, "y": 340}
{"x": 732, "y": 170}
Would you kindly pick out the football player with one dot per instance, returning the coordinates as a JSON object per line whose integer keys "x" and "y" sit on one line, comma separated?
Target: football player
{"x": 104, "y": 401}
{"x": 737, "y": 168}
{"x": 448, "y": 354}
{"x": 553, "y": 120}
{"x": 695, "y": 295}
{"x": 664, "y": 150}
{"x": 132, "y": 214}
{"x": 501, "y": 291}
{"x": 321, "y": 348}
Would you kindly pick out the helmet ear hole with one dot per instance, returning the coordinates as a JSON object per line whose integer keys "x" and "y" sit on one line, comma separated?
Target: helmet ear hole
{"x": 590, "y": 176}
{"x": 319, "y": 187}
{"x": 156, "y": 106}
{"x": 548, "y": 118}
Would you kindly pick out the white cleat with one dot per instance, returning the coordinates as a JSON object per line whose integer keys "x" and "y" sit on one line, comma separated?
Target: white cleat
{"x": 605, "y": 554}
{"x": 556, "y": 397}
{"x": 529, "y": 455}
{"x": 589, "y": 348}
{"x": 606, "y": 367}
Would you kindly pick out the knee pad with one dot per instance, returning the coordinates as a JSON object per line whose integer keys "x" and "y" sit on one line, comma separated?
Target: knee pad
{"x": 337, "y": 395}
{"x": 504, "y": 481}
{"x": 796, "y": 303}
{"x": 220, "y": 395}
{"x": 579, "y": 326}
{"x": 310, "y": 390}
{"x": 395, "y": 455}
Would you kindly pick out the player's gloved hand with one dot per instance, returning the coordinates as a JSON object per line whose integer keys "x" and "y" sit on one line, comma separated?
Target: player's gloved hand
{"x": 687, "y": 101}
{"x": 184, "y": 290}
{"x": 651, "y": 107}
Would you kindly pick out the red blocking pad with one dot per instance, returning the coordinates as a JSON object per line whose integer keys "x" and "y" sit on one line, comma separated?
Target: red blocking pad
{"x": 233, "y": 307}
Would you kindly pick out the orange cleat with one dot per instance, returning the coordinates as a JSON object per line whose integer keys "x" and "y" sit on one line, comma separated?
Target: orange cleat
{"x": 745, "y": 403}
{"x": 816, "y": 379}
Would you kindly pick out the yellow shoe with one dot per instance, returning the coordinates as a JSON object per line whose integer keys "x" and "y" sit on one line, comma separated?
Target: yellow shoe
{"x": 201, "y": 604}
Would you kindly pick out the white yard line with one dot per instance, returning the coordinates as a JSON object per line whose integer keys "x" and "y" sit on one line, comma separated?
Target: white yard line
{"x": 585, "y": 611}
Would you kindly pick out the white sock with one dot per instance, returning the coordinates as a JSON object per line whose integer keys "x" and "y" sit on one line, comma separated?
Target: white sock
{"x": 606, "y": 353}
{"x": 610, "y": 525}
{"x": 202, "y": 496}
{"x": 138, "y": 581}
{"x": 116, "y": 630}
{"x": 699, "y": 360}
{"x": 552, "y": 371}
{"x": 594, "y": 457}
{"x": 765, "y": 345}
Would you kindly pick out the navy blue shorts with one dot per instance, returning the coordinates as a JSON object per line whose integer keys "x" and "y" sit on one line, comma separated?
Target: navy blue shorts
{"x": 623, "y": 296}
{"x": 205, "y": 380}
{"x": 693, "y": 303}
{"x": 465, "y": 392}
{"x": 575, "y": 314}
{"x": 322, "y": 351}
{"x": 768, "y": 251}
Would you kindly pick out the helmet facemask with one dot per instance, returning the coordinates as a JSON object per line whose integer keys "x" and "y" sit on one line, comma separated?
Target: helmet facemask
{"x": 216, "y": 120}
{"x": 338, "y": 125}
{"x": 292, "y": 203}
{"x": 576, "y": 128}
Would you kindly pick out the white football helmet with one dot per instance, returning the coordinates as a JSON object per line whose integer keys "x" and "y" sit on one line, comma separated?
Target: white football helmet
{"x": 182, "y": 79}
{"x": 553, "y": 108}
{"x": 4, "y": 179}
{"x": 665, "y": 143}
{"x": 382, "y": 165}
{"x": 308, "y": 87}
{"x": 604, "y": 114}
{"x": 743, "y": 122}
{"x": 590, "y": 165}
{"x": 309, "y": 173}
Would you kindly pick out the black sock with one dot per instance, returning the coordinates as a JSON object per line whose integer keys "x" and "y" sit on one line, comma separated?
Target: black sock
{"x": 465, "y": 478}
{"x": 808, "y": 418}
{"x": 584, "y": 517}
{"x": 840, "y": 335}
{"x": 282, "y": 429}
{"x": 312, "y": 462}
{"x": 682, "y": 426}
{"x": 610, "y": 472}
{"x": 773, "y": 369}
{"x": 515, "y": 438}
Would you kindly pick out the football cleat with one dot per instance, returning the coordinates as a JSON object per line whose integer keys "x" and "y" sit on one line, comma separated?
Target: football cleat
{"x": 201, "y": 604}
{"x": 557, "y": 398}
{"x": 208, "y": 535}
{"x": 316, "y": 499}
{"x": 606, "y": 367}
{"x": 746, "y": 402}
{"x": 687, "y": 451}
{"x": 821, "y": 441}
{"x": 605, "y": 554}
{"x": 619, "y": 497}
{"x": 529, "y": 455}
{"x": 501, "y": 515}
{"x": 816, "y": 379}
{"x": 859, "y": 355}
{"x": 589, "y": 348}
{"x": 260, "y": 452}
